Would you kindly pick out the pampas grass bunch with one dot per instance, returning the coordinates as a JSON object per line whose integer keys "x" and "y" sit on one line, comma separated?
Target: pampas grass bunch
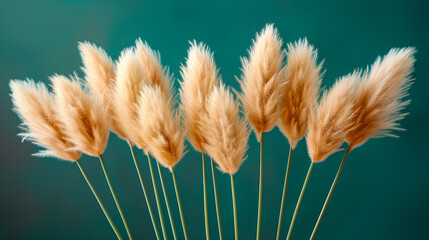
{"x": 328, "y": 127}
{"x": 65, "y": 125}
{"x": 377, "y": 104}
{"x": 36, "y": 107}
{"x": 134, "y": 98}
{"x": 161, "y": 129}
{"x": 262, "y": 82}
{"x": 226, "y": 136}
{"x": 85, "y": 123}
{"x": 303, "y": 77}
{"x": 200, "y": 77}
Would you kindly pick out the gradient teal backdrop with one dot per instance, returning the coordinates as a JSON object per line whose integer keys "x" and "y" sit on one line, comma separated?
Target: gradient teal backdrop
{"x": 383, "y": 192}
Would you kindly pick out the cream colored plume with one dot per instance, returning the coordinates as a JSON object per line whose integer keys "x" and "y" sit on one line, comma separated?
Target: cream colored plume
{"x": 160, "y": 126}
{"x": 100, "y": 77}
{"x": 200, "y": 76}
{"x": 262, "y": 80}
{"x": 225, "y": 133}
{"x": 35, "y": 106}
{"x": 329, "y": 125}
{"x": 300, "y": 95}
{"x": 380, "y": 96}
{"x": 130, "y": 80}
{"x": 84, "y": 118}
{"x": 152, "y": 68}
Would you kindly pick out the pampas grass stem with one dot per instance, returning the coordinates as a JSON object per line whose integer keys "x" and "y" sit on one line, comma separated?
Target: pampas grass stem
{"x": 206, "y": 218}
{"x": 258, "y": 231}
{"x": 216, "y": 200}
{"x": 330, "y": 193}
{"x": 179, "y": 203}
{"x": 124, "y": 220}
{"x": 299, "y": 201}
{"x": 112, "y": 224}
{"x": 234, "y": 207}
{"x": 167, "y": 203}
{"x": 279, "y": 226}
{"x": 158, "y": 204}
{"x": 149, "y": 207}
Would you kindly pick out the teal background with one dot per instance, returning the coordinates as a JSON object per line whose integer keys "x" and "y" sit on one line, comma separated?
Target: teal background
{"x": 383, "y": 192}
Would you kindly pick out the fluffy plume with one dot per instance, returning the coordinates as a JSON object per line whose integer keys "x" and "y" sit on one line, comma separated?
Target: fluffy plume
{"x": 329, "y": 125}
{"x": 380, "y": 96}
{"x": 160, "y": 126}
{"x": 84, "y": 118}
{"x": 35, "y": 106}
{"x": 299, "y": 97}
{"x": 262, "y": 80}
{"x": 200, "y": 76}
{"x": 226, "y": 134}
{"x": 130, "y": 80}
{"x": 152, "y": 68}
{"x": 100, "y": 77}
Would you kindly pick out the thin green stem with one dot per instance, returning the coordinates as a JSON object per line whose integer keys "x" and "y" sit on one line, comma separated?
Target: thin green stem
{"x": 258, "y": 230}
{"x": 112, "y": 224}
{"x": 179, "y": 203}
{"x": 279, "y": 226}
{"x": 149, "y": 207}
{"x": 206, "y": 219}
{"x": 234, "y": 207}
{"x": 216, "y": 201}
{"x": 299, "y": 201}
{"x": 330, "y": 193}
{"x": 124, "y": 220}
{"x": 158, "y": 203}
{"x": 167, "y": 203}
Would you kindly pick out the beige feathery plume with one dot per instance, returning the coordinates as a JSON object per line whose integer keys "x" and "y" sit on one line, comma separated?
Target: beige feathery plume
{"x": 329, "y": 125}
{"x": 35, "y": 106}
{"x": 160, "y": 126}
{"x": 225, "y": 132}
{"x": 262, "y": 80}
{"x": 130, "y": 80}
{"x": 380, "y": 96}
{"x": 100, "y": 77}
{"x": 200, "y": 76}
{"x": 84, "y": 118}
{"x": 299, "y": 97}
{"x": 152, "y": 68}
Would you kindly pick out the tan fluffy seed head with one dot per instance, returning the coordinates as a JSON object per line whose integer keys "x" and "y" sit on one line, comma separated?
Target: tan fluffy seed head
{"x": 329, "y": 125}
{"x": 300, "y": 95}
{"x": 35, "y": 106}
{"x": 100, "y": 76}
{"x": 151, "y": 65}
{"x": 84, "y": 118}
{"x": 160, "y": 126}
{"x": 130, "y": 80}
{"x": 380, "y": 96}
{"x": 226, "y": 134}
{"x": 200, "y": 76}
{"x": 262, "y": 80}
